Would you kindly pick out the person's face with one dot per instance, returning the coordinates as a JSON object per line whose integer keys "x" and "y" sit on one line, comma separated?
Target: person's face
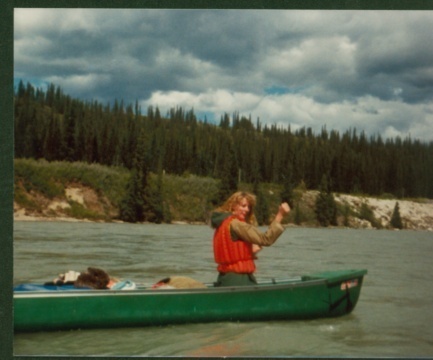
{"x": 241, "y": 209}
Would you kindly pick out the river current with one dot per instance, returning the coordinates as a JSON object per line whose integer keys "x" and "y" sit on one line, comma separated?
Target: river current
{"x": 393, "y": 317}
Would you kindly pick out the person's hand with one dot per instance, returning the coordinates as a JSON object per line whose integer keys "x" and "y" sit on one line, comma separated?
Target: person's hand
{"x": 256, "y": 248}
{"x": 283, "y": 210}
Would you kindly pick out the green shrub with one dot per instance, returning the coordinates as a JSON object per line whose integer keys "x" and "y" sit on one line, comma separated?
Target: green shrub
{"x": 190, "y": 198}
{"x": 38, "y": 176}
{"x": 78, "y": 211}
{"x": 366, "y": 213}
{"x": 387, "y": 196}
{"x": 50, "y": 178}
{"x": 21, "y": 198}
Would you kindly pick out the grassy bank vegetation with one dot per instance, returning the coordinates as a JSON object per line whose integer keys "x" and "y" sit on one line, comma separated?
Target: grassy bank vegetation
{"x": 187, "y": 198}
{"x": 39, "y": 183}
{"x": 51, "y": 178}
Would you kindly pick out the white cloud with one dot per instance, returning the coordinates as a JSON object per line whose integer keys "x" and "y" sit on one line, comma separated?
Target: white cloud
{"x": 371, "y": 115}
{"x": 81, "y": 82}
{"x": 29, "y": 20}
{"x": 210, "y": 101}
{"x": 344, "y": 69}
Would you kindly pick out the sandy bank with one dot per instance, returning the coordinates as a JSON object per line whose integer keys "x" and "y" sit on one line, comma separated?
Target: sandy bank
{"x": 415, "y": 215}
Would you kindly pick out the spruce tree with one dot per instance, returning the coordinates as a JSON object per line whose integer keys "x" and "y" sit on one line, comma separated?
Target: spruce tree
{"x": 325, "y": 207}
{"x": 154, "y": 201}
{"x": 53, "y": 140}
{"x": 298, "y": 214}
{"x": 69, "y": 142}
{"x": 132, "y": 207}
{"x": 229, "y": 170}
{"x": 262, "y": 206}
{"x": 396, "y": 221}
{"x": 346, "y": 221}
{"x": 287, "y": 192}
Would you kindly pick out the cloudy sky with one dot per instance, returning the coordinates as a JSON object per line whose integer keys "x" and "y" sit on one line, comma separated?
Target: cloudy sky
{"x": 369, "y": 70}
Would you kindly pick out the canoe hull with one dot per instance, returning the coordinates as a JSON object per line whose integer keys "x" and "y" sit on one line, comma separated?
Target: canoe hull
{"x": 320, "y": 295}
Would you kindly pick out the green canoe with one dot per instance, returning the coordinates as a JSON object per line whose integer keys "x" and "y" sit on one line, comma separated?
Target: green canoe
{"x": 327, "y": 294}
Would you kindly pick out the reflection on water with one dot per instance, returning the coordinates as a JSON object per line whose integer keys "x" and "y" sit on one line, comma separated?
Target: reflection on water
{"x": 393, "y": 317}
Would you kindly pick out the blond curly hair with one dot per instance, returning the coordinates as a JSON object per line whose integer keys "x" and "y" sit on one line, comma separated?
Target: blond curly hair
{"x": 236, "y": 198}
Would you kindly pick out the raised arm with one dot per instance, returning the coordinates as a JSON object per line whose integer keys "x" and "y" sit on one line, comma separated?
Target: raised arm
{"x": 283, "y": 210}
{"x": 253, "y": 235}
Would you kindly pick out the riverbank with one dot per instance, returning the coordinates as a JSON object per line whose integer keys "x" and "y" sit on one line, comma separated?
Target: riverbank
{"x": 416, "y": 215}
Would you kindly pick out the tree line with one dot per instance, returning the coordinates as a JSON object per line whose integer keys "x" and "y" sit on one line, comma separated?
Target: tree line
{"x": 52, "y": 125}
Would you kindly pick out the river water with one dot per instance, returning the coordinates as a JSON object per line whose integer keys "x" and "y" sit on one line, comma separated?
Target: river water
{"x": 393, "y": 318}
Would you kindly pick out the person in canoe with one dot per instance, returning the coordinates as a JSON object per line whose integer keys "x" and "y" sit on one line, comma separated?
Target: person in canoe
{"x": 95, "y": 278}
{"x": 237, "y": 238}
{"x": 92, "y": 278}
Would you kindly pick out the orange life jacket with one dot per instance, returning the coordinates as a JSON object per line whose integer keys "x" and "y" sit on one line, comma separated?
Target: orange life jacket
{"x": 232, "y": 256}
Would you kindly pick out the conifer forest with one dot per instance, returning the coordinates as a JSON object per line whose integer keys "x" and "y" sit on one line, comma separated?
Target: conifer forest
{"x": 50, "y": 124}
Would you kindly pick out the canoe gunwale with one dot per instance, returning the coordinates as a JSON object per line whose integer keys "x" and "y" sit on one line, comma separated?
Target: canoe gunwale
{"x": 159, "y": 292}
{"x": 274, "y": 284}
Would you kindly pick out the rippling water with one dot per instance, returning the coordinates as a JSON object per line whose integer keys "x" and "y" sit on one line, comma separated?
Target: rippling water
{"x": 394, "y": 316}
